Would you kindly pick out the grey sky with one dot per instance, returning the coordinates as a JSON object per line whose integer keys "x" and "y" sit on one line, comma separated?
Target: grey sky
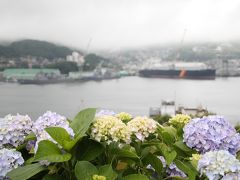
{"x": 116, "y": 24}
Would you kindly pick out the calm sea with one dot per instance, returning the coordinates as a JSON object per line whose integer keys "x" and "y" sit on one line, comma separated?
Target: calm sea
{"x": 131, "y": 94}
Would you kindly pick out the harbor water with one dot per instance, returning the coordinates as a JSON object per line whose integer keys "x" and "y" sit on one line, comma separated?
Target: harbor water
{"x": 131, "y": 94}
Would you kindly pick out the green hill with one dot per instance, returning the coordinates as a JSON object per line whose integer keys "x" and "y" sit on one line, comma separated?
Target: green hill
{"x": 34, "y": 48}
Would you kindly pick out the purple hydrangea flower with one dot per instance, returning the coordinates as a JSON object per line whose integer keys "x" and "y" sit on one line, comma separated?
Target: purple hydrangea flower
{"x": 14, "y": 129}
{"x": 211, "y": 133}
{"x": 105, "y": 112}
{"x": 49, "y": 119}
{"x": 30, "y": 144}
{"x": 171, "y": 170}
{"x": 9, "y": 159}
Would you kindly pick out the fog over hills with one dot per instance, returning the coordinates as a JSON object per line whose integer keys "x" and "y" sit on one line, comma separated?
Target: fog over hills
{"x": 117, "y": 25}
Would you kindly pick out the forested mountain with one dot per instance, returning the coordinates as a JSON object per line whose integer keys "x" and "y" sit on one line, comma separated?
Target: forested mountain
{"x": 34, "y": 48}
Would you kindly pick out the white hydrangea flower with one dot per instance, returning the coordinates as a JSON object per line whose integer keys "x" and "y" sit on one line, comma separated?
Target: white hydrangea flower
{"x": 14, "y": 129}
{"x": 217, "y": 164}
{"x": 110, "y": 129}
{"x": 142, "y": 127}
{"x": 49, "y": 119}
{"x": 9, "y": 159}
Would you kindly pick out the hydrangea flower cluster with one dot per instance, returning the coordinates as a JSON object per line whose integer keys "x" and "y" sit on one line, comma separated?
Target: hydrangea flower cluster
{"x": 142, "y": 127}
{"x": 217, "y": 164}
{"x": 231, "y": 176}
{"x": 211, "y": 133}
{"x": 9, "y": 159}
{"x": 124, "y": 116}
{"x": 105, "y": 112}
{"x": 110, "y": 129}
{"x": 14, "y": 129}
{"x": 49, "y": 119}
{"x": 179, "y": 119}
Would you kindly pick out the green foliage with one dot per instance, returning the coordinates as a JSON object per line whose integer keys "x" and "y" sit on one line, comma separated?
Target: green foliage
{"x": 64, "y": 66}
{"x": 83, "y": 158}
{"x": 89, "y": 150}
{"x": 108, "y": 172}
{"x": 155, "y": 162}
{"x": 49, "y": 151}
{"x": 84, "y": 170}
{"x": 26, "y": 172}
{"x": 161, "y": 119}
{"x": 34, "y": 48}
{"x": 82, "y": 121}
{"x": 93, "y": 60}
{"x": 135, "y": 177}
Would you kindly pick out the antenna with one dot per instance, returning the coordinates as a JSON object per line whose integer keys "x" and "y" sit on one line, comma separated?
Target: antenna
{"x": 183, "y": 37}
{"x": 181, "y": 44}
{"x": 88, "y": 45}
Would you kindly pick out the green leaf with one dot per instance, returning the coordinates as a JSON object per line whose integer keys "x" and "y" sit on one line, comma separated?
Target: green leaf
{"x": 167, "y": 152}
{"x": 82, "y": 121}
{"x": 170, "y": 130}
{"x": 84, "y": 170}
{"x": 125, "y": 153}
{"x": 135, "y": 177}
{"x": 49, "y": 151}
{"x": 31, "y": 136}
{"x": 145, "y": 152}
{"x": 59, "y": 134}
{"x": 155, "y": 162}
{"x": 168, "y": 134}
{"x": 182, "y": 146}
{"x": 25, "y": 172}
{"x": 186, "y": 167}
{"x": 108, "y": 172}
{"x": 88, "y": 150}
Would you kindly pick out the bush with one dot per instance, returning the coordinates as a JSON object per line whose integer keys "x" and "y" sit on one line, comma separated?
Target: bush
{"x": 103, "y": 147}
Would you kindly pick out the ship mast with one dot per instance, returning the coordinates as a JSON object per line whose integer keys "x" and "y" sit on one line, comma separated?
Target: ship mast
{"x": 181, "y": 45}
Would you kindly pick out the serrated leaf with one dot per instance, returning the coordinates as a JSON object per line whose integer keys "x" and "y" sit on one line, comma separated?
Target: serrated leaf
{"x": 84, "y": 170}
{"x": 108, "y": 172}
{"x": 26, "y": 172}
{"x": 49, "y": 151}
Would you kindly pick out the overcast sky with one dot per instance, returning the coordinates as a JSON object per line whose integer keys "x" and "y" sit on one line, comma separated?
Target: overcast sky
{"x": 116, "y": 24}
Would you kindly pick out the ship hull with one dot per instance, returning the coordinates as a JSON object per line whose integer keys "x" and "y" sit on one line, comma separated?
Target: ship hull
{"x": 179, "y": 74}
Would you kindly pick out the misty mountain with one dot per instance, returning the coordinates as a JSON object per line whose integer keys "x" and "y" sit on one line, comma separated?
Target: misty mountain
{"x": 35, "y": 48}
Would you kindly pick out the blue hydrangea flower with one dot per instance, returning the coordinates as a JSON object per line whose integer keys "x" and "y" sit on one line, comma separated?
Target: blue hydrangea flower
{"x": 211, "y": 133}
{"x": 9, "y": 159}
{"x": 105, "y": 112}
{"x": 171, "y": 170}
{"x": 49, "y": 119}
{"x": 14, "y": 129}
{"x": 219, "y": 164}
